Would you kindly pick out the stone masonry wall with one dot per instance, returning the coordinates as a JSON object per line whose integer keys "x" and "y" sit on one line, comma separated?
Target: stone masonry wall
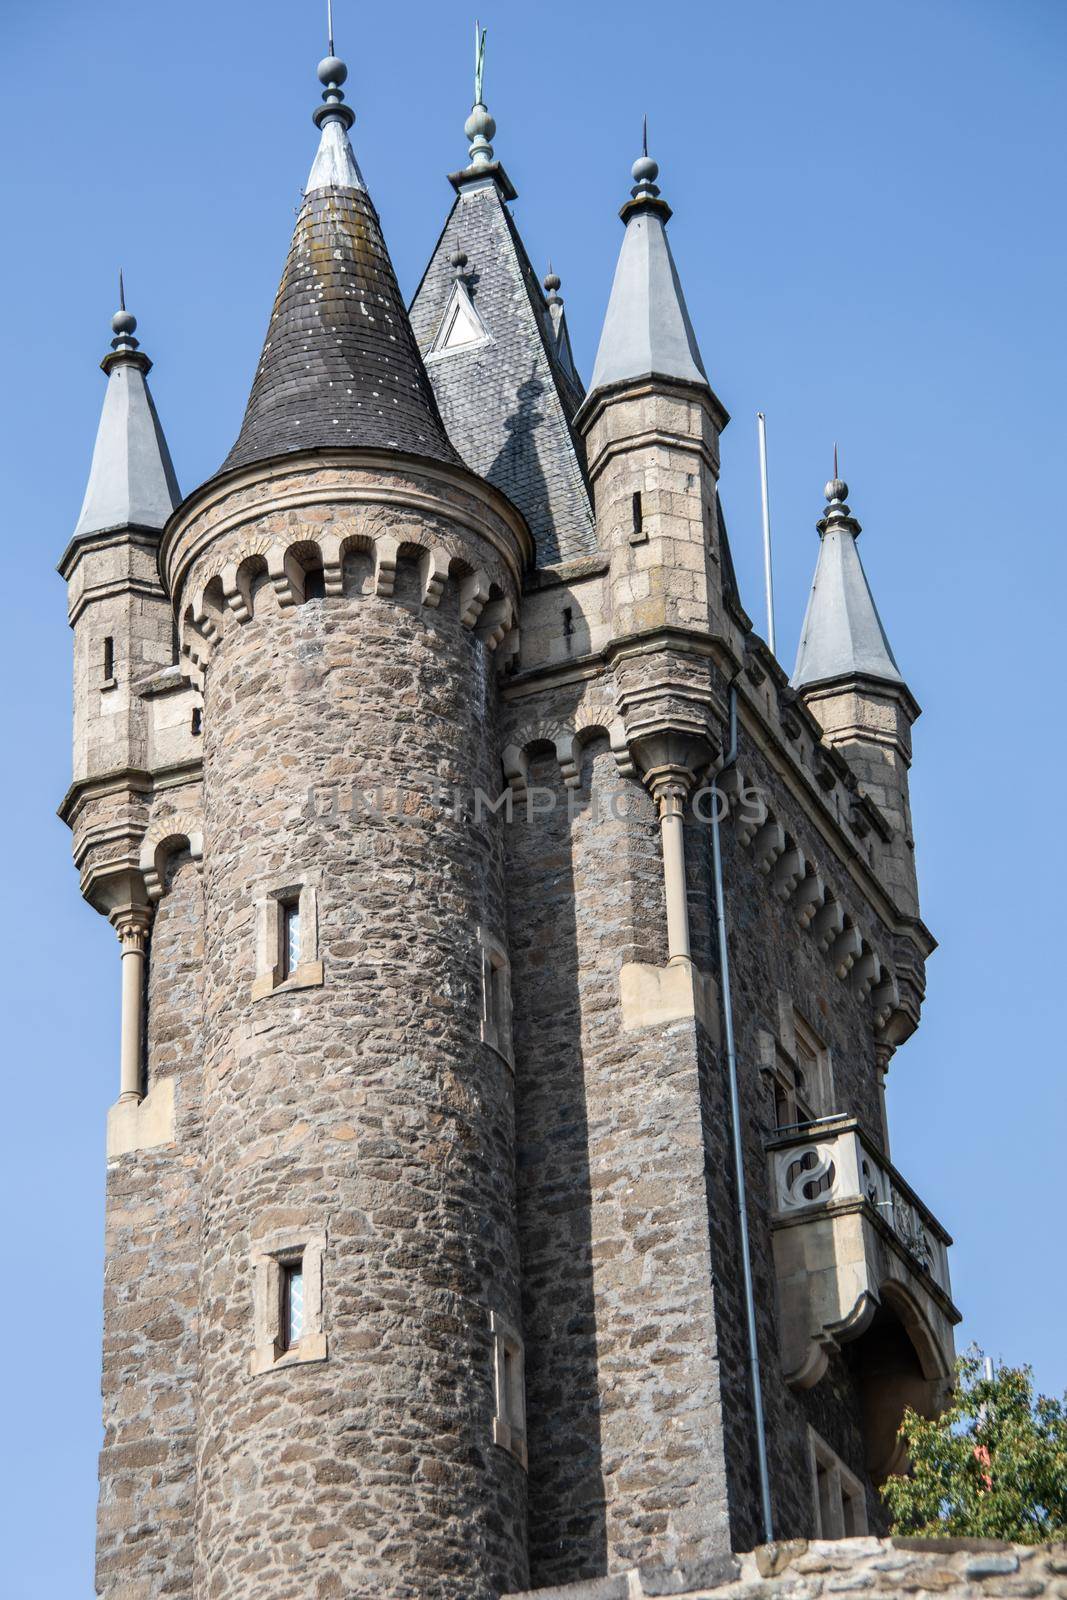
{"x": 626, "y": 1426}
{"x": 152, "y": 1249}
{"x": 366, "y": 1108}
{"x": 770, "y": 954}
{"x": 796, "y": 1569}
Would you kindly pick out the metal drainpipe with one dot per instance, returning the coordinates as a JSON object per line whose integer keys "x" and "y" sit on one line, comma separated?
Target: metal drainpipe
{"x": 735, "y": 1117}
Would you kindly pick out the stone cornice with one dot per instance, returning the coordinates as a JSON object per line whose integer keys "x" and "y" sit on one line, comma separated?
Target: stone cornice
{"x": 175, "y": 561}
{"x": 103, "y": 539}
{"x": 125, "y": 780}
{"x": 639, "y": 388}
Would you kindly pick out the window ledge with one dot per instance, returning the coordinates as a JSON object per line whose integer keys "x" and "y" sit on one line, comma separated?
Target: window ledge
{"x": 489, "y": 1038}
{"x": 506, "y": 1437}
{"x": 308, "y": 975}
{"x": 312, "y": 1347}
{"x": 108, "y": 683}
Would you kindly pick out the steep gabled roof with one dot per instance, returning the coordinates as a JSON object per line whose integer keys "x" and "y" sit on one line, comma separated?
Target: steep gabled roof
{"x": 131, "y": 481}
{"x": 842, "y": 636}
{"x": 340, "y": 366}
{"x": 508, "y": 400}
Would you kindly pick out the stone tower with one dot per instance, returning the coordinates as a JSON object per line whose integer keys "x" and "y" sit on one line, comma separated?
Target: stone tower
{"x": 477, "y": 873}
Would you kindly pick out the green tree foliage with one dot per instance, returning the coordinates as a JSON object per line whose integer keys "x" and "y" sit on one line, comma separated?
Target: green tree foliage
{"x": 994, "y": 1466}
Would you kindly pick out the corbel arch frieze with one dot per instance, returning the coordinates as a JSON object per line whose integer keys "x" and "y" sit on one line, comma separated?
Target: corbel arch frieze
{"x": 594, "y": 715}
{"x": 797, "y": 882}
{"x": 163, "y": 838}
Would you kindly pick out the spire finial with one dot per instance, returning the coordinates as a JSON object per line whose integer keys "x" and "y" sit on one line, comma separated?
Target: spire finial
{"x": 551, "y": 282}
{"x": 836, "y": 492}
{"x": 123, "y": 322}
{"x": 479, "y": 126}
{"x": 332, "y": 73}
{"x": 644, "y": 171}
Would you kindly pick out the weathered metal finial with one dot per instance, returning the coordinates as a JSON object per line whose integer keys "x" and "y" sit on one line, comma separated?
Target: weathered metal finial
{"x": 551, "y": 282}
{"x": 329, "y": 27}
{"x": 644, "y": 134}
{"x": 479, "y": 62}
{"x": 122, "y": 292}
{"x": 479, "y": 126}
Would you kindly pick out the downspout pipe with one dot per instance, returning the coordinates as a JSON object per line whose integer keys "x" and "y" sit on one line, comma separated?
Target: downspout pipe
{"x": 735, "y": 1118}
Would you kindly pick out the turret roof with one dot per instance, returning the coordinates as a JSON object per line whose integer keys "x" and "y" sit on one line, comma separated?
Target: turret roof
{"x": 340, "y": 366}
{"x": 842, "y": 636}
{"x": 131, "y": 481}
{"x": 647, "y": 331}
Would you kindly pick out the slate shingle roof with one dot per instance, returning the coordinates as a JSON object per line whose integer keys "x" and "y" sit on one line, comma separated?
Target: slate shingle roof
{"x": 507, "y": 404}
{"x": 340, "y": 366}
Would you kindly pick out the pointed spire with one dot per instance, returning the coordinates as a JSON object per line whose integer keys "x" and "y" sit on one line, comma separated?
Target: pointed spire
{"x": 131, "y": 480}
{"x": 842, "y": 636}
{"x": 558, "y": 318}
{"x": 647, "y": 331}
{"x": 340, "y": 366}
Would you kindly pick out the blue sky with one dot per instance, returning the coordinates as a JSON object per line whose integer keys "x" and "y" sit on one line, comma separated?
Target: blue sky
{"x": 870, "y": 231}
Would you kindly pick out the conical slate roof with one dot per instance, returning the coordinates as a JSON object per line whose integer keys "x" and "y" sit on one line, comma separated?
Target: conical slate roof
{"x": 842, "y": 636}
{"x": 340, "y": 366}
{"x": 647, "y": 331}
{"x": 131, "y": 481}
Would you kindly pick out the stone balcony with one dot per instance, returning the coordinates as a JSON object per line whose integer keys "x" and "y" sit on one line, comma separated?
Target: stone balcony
{"x": 862, "y": 1268}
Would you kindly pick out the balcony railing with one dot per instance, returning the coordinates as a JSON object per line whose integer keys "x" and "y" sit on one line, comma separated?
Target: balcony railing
{"x": 824, "y": 1165}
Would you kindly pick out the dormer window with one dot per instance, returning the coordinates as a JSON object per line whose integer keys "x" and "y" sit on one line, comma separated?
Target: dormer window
{"x": 461, "y": 328}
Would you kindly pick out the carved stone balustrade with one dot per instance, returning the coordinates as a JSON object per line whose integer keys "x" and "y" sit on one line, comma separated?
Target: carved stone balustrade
{"x": 860, "y": 1262}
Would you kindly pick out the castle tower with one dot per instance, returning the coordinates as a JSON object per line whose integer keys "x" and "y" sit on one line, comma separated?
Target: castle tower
{"x": 463, "y": 1236}
{"x": 341, "y": 583}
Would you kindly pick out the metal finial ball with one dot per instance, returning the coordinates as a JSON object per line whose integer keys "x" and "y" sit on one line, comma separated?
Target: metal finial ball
{"x": 551, "y": 281}
{"x": 479, "y": 124}
{"x": 645, "y": 170}
{"x": 332, "y": 70}
{"x": 836, "y": 489}
{"x": 459, "y": 260}
{"x": 123, "y": 324}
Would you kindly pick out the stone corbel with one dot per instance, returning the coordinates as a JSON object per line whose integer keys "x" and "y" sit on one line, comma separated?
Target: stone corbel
{"x": 433, "y": 575}
{"x": 769, "y": 845}
{"x": 286, "y": 575}
{"x": 865, "y": 972}
{"x": 332, "y": 553}
{"x": 494, "y": 622}
{"x": 386, "y": 555}
{"x": 808, "y": 897}
{"x": 473, "y": 595}
{"x": 828, "y": 922}
{"x": 845, "y": 951}
{"x": 788, "y": 872}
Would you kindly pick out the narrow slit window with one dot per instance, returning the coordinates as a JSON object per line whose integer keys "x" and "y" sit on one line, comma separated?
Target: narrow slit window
{"x": 638, "y": 514}
{"x": 109, "y": 657}
{"x": 292, "y": 1318}
{"x": 568, "y": 622}
{"x": 290, "y": 932}
{"x": 197, "y": 722}
{"x": 315, "y": 584}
